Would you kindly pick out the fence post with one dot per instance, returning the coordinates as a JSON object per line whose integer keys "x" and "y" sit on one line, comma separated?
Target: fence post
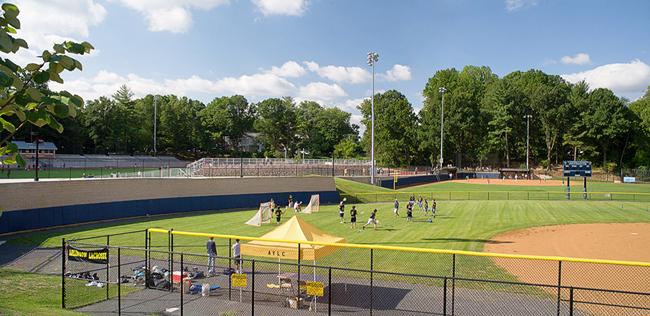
{"x": 559, "y": 284}
{"x": 230, "y": 267}
{"x": 108, "y": 266}
{"x": 444, "y": 297}
{"x": 63, "y": 272}
{"x": 571, "y": 301}
{"x": 329, "y": 293}
{"x": 453, "y": 283}
{"x": 119, "y": 281}
{"x": 253, "y": 288}
{"x": 371, "y": 275}
{"x": 298, "y": 273}
{"x": 182, "y": 283}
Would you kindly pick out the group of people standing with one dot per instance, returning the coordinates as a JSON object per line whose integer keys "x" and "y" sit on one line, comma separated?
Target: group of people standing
{"x": 212, "y": 255}
{"x": 423, "y": 204}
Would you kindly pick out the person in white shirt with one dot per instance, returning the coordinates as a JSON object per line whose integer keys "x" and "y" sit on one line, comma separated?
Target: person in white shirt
{"x": 237, "y": 254}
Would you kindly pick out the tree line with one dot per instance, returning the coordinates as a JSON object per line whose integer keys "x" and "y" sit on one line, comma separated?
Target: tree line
{"x": 121, "y": 124}
{"x": 485, "y": 120}
{"x": 484, "y": 124}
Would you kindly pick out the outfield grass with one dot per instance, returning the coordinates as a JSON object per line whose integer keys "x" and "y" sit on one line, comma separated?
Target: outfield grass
{"x": 459, "y": 225}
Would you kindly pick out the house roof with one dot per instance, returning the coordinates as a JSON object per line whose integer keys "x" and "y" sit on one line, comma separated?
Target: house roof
{"x": 42, "y": 145}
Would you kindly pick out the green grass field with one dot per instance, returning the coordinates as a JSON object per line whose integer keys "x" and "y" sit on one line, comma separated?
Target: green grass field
{"x": 459, "y": 225}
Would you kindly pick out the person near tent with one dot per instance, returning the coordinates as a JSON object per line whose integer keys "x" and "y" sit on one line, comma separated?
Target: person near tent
{"x": 290, "y": 201}
{"x": 237, "y": 255}
{"x": 353, "y": 217}
{"x": 212, "y": 254}
{"x": 278, "y": 214}
{"x": 342, "y": 212}
{"x": 296, "y": 206}
{"x": 371, "y": 220}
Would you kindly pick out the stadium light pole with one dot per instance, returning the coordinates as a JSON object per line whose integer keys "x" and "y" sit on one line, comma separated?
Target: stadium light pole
{"x": 442, "y": 112}
{"x": 527, "y": 117}
{"x": 372, "y": 58}
{"x": 155, "y": 118}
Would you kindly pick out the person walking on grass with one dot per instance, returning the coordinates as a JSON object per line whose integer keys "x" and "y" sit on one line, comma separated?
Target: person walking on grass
{"x": 212, "y": 255}
{"x": 342, "y": 212}
{"x": 396, "y": 208}
{"x": 426, "y": 208}
{"x": 371, "y": 220}
{"x": 353, "y": 217}
{"x": 420, "y": 202}
{"x": 278, "y": 214}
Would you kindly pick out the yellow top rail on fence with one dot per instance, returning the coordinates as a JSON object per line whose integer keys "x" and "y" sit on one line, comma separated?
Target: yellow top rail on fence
{"x": 408, "y": 249}
{"x": 495, "y": 192}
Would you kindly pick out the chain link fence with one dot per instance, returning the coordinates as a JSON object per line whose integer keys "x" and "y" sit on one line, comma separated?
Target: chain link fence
{"x": 159, "y": 272}
{"x": 495, "y": 196}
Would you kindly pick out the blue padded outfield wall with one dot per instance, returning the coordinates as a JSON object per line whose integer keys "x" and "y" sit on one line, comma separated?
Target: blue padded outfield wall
{"x": 411, "y": 180}
{"x": 36, "y": 205}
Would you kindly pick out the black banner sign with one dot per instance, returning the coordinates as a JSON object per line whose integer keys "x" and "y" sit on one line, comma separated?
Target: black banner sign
{"x": 86, "y": 255}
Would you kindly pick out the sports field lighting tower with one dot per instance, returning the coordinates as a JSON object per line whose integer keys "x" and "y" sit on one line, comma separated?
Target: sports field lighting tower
{"x": 372, "y": 58}
{"x": 442, "y": 112}
{"x": 155, "y": 118}
{"x": 527, "y": 117}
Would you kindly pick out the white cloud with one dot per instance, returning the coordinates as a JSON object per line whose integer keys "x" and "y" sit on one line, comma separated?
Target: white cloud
{"x": 281, "y": 7}
{"x": 44, "y": 23}
{"x": 578, "y": 59}
{"x": 170, "y": 15}
{"x": 398, "y": 73}
{"x": 257, "y": 84}
{"x": 289, "y": 69}
{"x": 514, "y": 5}
{"x": 340, "y": 73}
{"x": 321, "y": 91}
{"x": 632, "y": 77}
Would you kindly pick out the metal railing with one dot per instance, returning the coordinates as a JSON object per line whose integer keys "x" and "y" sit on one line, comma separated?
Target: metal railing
{"x": 496, "y": 196}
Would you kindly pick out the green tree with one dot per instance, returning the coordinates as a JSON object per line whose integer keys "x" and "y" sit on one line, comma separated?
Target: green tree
{"x": 395, "y": 130}
{"x": 125, "y": 116}
{"x": 606, "y": 120}
{"x": 98, "y": 121}
{"x": 278, "y": 124}
{"x": 551, "y": 105}
{"x": 499, "y": 107}
{"x": 641, "y": 109}
{"x": 21, "y": 98}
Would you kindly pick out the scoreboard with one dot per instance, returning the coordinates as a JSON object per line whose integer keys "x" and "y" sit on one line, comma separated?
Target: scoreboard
{"x": 576, "y": 168}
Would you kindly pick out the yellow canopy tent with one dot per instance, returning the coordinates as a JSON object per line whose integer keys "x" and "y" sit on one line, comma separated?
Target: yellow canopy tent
{"x": 295, "y": 230}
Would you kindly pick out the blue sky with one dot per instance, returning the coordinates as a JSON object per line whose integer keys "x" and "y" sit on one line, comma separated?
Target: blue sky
{"x": 316, "y": 49}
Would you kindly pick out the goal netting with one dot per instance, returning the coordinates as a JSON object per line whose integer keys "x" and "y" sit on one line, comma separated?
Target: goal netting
{"x": 313, "y": 206}
{"x": 263, "y": 215}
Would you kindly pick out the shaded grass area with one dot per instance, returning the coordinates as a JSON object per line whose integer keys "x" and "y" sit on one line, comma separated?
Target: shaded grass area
{"x": 26, "y": 293}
